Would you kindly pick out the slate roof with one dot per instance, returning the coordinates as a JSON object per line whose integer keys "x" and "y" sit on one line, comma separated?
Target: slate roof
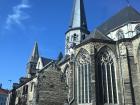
{"x": 96, "y": 34}
{"x": 35, "y": 54}
{"x": 124, "y": 16}
{"x": 3, "y": 91}
{"x": 64, "y": 59}
{"x": 45, "y": 60}
{"x": 78, "y": 18}
{"x": 127, "y": 14}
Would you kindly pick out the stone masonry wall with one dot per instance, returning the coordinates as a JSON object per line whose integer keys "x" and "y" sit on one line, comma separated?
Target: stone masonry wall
{"x": 51, "y": 90}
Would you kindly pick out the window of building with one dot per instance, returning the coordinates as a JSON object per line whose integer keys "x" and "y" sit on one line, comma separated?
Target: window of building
{"x": 137, "y": 29}
{"x": 25, "y": 90}
{"x": 107, "y": 84}
{"x": 67, "y": 39}
{"x": 32, "y": 84}
{"x": 83, "y": 36}
{"x": 120, "y": 34}
{"x": 83, "y": 77}
{"x": 74, "y": 37}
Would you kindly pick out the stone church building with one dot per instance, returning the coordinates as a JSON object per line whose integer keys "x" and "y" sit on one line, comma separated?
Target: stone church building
{"x": 101, "y": 67}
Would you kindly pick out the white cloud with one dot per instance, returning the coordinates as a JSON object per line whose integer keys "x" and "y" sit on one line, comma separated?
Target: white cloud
{"x": 18, "y": 14}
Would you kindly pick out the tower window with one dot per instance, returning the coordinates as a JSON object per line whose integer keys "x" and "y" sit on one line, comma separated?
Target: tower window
{"x": 137, "y": 29}
{"x": 74, "y": 37}
{"x": 67, "y": 39}
{"x": 120, "y": 34}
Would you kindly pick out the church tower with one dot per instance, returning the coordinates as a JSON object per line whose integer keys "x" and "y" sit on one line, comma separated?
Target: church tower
{"x": 31, "y": 65}
{"x": 78, "y": 26}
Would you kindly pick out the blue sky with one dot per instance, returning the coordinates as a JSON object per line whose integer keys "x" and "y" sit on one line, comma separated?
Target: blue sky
{"x": 22, "y": 22}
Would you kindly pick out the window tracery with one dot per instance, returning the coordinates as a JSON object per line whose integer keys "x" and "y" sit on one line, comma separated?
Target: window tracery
{"x": 106, "y": 74}
{"x": 83, "y": 77}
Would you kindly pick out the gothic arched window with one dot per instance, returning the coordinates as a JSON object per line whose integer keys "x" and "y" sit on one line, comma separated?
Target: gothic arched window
{"x": 137, "y": 29}
{"x": 120, "y": 34}
{"x": 83, "y": 77}
{"x": 106, "y": 77}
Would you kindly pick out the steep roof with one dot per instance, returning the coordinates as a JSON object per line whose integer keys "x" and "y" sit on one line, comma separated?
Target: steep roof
{"x": 45, "y": 60}
{"x": 35, "y": 53}
{"x": 127, "y": 14}
{"x": 78, "y": 19}
{"x": 96, "y": 34}
{"x": 64, "y": 59}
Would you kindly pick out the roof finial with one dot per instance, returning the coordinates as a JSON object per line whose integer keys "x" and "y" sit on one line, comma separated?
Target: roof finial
{"x": 128, "y": 3}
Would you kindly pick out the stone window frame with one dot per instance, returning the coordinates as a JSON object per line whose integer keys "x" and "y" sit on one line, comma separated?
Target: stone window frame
{"x": 83, "y": 77}
{"x": 74, "y": 37}
{"x": 25, "y": 90}
{"x": 109, "y": 60}
{"x": 32, "y": 86}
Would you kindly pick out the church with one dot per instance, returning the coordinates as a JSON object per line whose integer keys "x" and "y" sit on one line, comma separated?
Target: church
{"x": 101, "y": 67}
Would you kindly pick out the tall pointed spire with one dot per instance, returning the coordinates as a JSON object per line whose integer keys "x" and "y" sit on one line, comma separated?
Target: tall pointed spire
{"x": 78, "y": 30}
{"x": 35, "y": 53}
{"x": 31, "y": 65}
{"x": 78, "y": 19}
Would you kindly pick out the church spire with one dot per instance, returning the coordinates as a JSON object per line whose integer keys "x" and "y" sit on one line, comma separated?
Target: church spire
{"x": 31, "y": 65}
{"x": 35, "y": 53}
{"x": 78, "y": 30}
{"x": 78, "y": 19}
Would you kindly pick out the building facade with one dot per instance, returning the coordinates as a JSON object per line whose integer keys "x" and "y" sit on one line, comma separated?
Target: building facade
{"x": 101, "y": 67}
{"x": 3, "y": 96}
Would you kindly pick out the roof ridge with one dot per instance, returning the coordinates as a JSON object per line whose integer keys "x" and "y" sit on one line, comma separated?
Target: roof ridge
{"x": 125, "y": 15}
